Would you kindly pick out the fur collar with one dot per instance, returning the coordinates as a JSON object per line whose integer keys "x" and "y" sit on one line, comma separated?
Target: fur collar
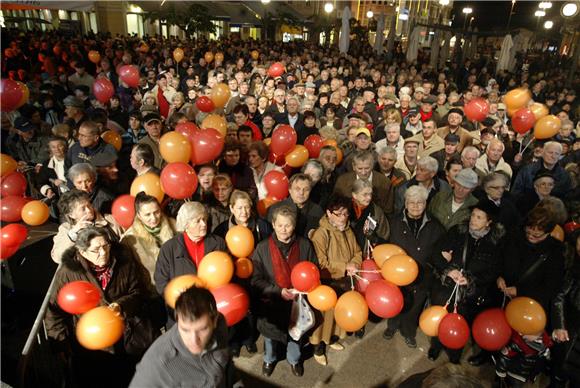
{"x": 496, "y": 232}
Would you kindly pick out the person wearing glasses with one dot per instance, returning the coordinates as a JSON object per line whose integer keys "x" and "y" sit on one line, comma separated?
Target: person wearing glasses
{"x": 544, "y": 183}
{"x": 88, "y": 146}
{"x": 494, "y": 187}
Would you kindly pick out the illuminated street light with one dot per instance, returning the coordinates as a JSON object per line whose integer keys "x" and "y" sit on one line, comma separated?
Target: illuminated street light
{"x": 370, "y": 14}
{"x": 467, "y": 10}
{"x": 444, "y": 2}
{"x": 548, "y": 24}
{"x": 328, "y": 7}
{"x": 545, "y": 5}
{"x": 540, "y": 14}
{"x": 265, "y": 1}
{"x": 569, "y": 10}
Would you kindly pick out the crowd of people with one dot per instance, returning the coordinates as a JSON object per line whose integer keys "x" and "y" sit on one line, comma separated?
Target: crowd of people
{"x": 474, "y": 204}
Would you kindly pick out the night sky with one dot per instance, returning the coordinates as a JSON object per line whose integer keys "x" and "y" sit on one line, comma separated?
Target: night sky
{"x": 493, "y": 15}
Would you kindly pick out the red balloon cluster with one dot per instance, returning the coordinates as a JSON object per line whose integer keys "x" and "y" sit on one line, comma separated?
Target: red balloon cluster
{"x": 130, "y": 75}
{"x": 179, "y": 180}
{"x": 277, "y": 184}
{"x": 305, "y": 276}
{"x": 232, "y": 301}
{"x": 12, "y": 236}
{"x": 477, "y": 109}
{"x": 283, "y": 140}
{"x": 103, "y": 90}
{"x": 276, "y": 70}
{"x": 78, "y": 297}
{"x": 11, "y": 208}
{"x": 367, "y": 277}
{"x": 123, "y": 210}
{"x": 523, "y": 120}
{"x": 187, "y": 129}
{"x": 453, "y": 331}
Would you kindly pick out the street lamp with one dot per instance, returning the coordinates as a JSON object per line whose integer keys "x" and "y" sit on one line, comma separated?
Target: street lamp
{"x": 370, "y": 14}
{"x": 548, "y": 24}
{"x": 569, "y": 10}
{"x": 328, "y": 7}
{"x": 545, "y": 5}
{"x": 444, "y": 2}
{"x": 265, "y": 1}
{"x": 466, "y": 11}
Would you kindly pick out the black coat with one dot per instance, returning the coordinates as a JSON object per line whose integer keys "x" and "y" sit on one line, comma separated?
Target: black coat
{"x": 307, "y": 219}
{"x": 282, "y": 118}
{"x": 481, "y": 268}
{"x": 274, "y": 312}
{"x": 544, "y": 282}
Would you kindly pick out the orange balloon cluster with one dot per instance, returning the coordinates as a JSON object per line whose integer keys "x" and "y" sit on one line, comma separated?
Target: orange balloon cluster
{"x": 175, "y": 147}
{"x": 351, "y": 311}
{"x": 113, "y": 138}
{"x": 216, "y": 269}
{"x": 430, "y": 318}
{"x": 216, "y": 122}
{"x": 539, "y": 110}
{"x": 322, "y": 298}
{"x": 240, "y": 241}
{"x": 219, "y": 57}
{"x": 99, "y": 328}
{"x": 35, "y": 213}
{"x": 546, "y": 127}
{"x": 255, "y": 54}
{"x": 178, "y": 285}
{"x": 401, "y": 270}
{"x": 150, "y": 183}
{"x": 208, "y": 56}
{"x": 94, "y": 56}
{"x": 525, "y": 315}
{"x": 383, "y": 252}
{"x": 264, "y": 205}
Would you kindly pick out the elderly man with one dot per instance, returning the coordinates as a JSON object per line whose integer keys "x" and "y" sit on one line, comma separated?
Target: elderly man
{"x": 550, "y": 155}
{"x": 451, "y": 208}
{"x": 89, "y": 145}
{"x": 393, "y": 139}
{"x": 291, "y": 117}
{"x": 328, "y": 157}
{"x": 408, "y": 162}
{"x": 154, "y": 128}
{"x": 492, "y": 160}
{"x": 387, "y": 157}
{"x": 426, "y": 176}
{"x": 429, "y": 141}
{"x": 362, "y": 166}
{"x": 454, "y": 119}
{"x": 74, "y": 111}
{"x": 469, "y": 157}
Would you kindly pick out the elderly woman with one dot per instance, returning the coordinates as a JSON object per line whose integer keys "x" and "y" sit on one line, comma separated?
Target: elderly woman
{"x": 544, "y": 183}
{"x": 258, "y": 161}
{"x": 367, "y": 219}
{"x": 77, "y": 213}
{"x": 240, "y": 174}
{"x": 274, "y": 259}
{"x": 417, "y": 233}
{"x": 219, "y": 210}
{"x": 470, "y": 256}
{"x": 83, "y": 176}
{"x": 51, "y": 179}
{"x": 339, "y": 255}
{"x": 183, "y": 253}
{"x": 112, "y": 270}
{"x": 494, "y": 188}
{"x": 150, "y": 230}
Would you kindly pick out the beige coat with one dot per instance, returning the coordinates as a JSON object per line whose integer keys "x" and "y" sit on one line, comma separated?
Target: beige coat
{"x": 143, "y": 244}
{"x": 62, "y": 240}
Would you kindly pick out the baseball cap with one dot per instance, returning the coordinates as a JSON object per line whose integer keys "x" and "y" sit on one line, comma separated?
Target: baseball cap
{"x": 151, "y": 117}
{"x": 413, "y": 139}
{"x": 420, "y": 89}
{"x": 363, "y": 130}
{"x": 467, "y": 178}
{"x": 429, "y": 100}
{"x": 23, "y": 124}
{"x": 452, "y": 138}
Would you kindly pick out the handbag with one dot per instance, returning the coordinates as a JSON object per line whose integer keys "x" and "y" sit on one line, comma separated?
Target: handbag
{"x": 301, "y": 318}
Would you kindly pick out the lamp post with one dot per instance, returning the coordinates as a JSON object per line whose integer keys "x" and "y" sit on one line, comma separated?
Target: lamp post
{"x": 467, "y": 11}
{"x": 570, "y": 10}
{"x": 264, "y": 26}
{"x": 328, "y": 8}
{"x": 511, "y": 13}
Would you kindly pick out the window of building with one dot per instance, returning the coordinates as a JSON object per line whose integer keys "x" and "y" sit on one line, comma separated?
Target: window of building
{"x": 135, "y": 24}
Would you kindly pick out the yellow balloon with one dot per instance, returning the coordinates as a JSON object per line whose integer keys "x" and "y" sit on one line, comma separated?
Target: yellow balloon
{"x": 99, "y": 328}
{"x": 216, "y": 269}
{"x": 430, "y": 319}
{"x": 216, "y": 122}
{"x": 150, "y": 183}
{"x": 525, "y": 315}
{"x": 220, "y": 95}
{"x": 322, "y": 298}
{"x": 401, "y": 270}
{"x": 174, "y": 147}
{"x": 539, "y": 110}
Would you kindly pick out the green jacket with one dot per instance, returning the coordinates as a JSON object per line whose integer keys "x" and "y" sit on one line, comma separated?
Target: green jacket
{"x": 440, "y": 208}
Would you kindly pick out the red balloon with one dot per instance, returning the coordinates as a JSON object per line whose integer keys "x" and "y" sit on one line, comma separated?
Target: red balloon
{"x": 283, "y": 140}
{"x": 187, "y": 129}
{"x": 206, "y": 146}
{"x": 453, "y": 331}
{"x": 7, "y": 251}
{"x": 305, "y": 276}
{"x": 11, "y": 208}
{"x": 491, "y": 330}
{"x": 523, "y": 120}
{"x": 78, "y": 297}
{"x": 384, "y": 298}
{"x": 276, "y": 70}
{"x": 205, "y": 104}
{"x": 477, "y": 109}
{"x": 368, "y": 277}
{"x": 232, "y": 301}
{"x": 178, "y": 180}
{"x": 313, "y": 144}
{"x": 103, "y": 89}
{"x": 13, "y": 184}
{"x": 10, "y": 95}
{"x": 130, "y": 75}
{"x": 123, "y": 210}
{"x": 277, "y": 184}
{"x": 13, "y": 235}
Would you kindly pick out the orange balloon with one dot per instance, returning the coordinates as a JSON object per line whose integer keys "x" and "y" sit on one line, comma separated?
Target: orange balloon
{"x": 35, "y": 213}
{"x": 330, "y": 142}
{"x": 7, "y": 164}
{"x": 219, "y": 57}
{"x": 175, "y": 147}
{"x": 99, "y": 328}
{"x": 178, "y": 285}
{"x": 511, "y": 112}
{"x": 94, "y": 56}
{"x": 216, "y": 122}
{"x": 208, "y": 57}
{"x": 220, "y": 95}
{"x": 517, "y": 98}
{"x": 264, "y": 204}
{"x": 297, "y": 157}
{"x": 25, "y": 93}
{"x": 255, "y": 54}
{"x": 144, "y": 47}
{"x": 401, "y": 270}
{"x": 558, "y": 233}
{"x": 539, "y": 110}
{"x": 113, "y": 138}
{"x": 430, "y": 319}
{"x": 178, "y": 54}
{"x": 546, "y": 127}
{"x": 240, "y": 241}
{"x": 322, "y": 298}
{"x": 351, "y": 311}
{"x": 244, "y": 268}
{"x": 383, "y": 252}
{"x": 339, "y": 156}
{"x": 216, "y": 269}
{"x": 525, "y": 315}
{"x": 150, "y": 183}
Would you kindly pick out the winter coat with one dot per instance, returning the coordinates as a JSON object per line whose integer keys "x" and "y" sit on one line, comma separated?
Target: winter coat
{"x": 420, "y": 247}
{"x": 544, "y": 282}
{"x": 102, "y": 199}
{"x": 217, "y": 213}
{"x": 383, "y": 192}
{"x": 335, "y": 249}
{"x": 482, "y": 167}
{"x": 377, "y": 236}
{"x": 441, "y": 205}
{"x": 242, "y": 178}
{"x": 63, "y": 240}
{"x": 438, "y": 186}
{"x": 481, "y": 267}
{"x": 260, "y": 228}
{"x": 524, "y": 181}
{"x": 307, "y": 219}
{"x": 77, "y": 154}
{"x": 126, "y": 288}
{"x": 272, "y": 311}
{"x": 144, "y": 245}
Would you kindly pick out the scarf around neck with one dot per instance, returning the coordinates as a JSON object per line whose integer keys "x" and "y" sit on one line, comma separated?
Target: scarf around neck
{"x": 281, "y": 265}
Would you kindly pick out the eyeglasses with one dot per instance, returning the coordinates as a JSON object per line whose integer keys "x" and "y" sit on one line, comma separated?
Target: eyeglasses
{"x": 535, "y": 236}
{"x": 341, "y": 214}
{"x": 98, "y": 250}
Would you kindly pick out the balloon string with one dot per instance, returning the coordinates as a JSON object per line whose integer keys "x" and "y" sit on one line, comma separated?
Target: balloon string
{"x": 359, "y": 277}
{"x": 351, "y": 282}
{"x": 530, "y": 142}
{"x": 452, "y": 293}
{"x": 368, "y": 249}
{"x": 368, "y": 271}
